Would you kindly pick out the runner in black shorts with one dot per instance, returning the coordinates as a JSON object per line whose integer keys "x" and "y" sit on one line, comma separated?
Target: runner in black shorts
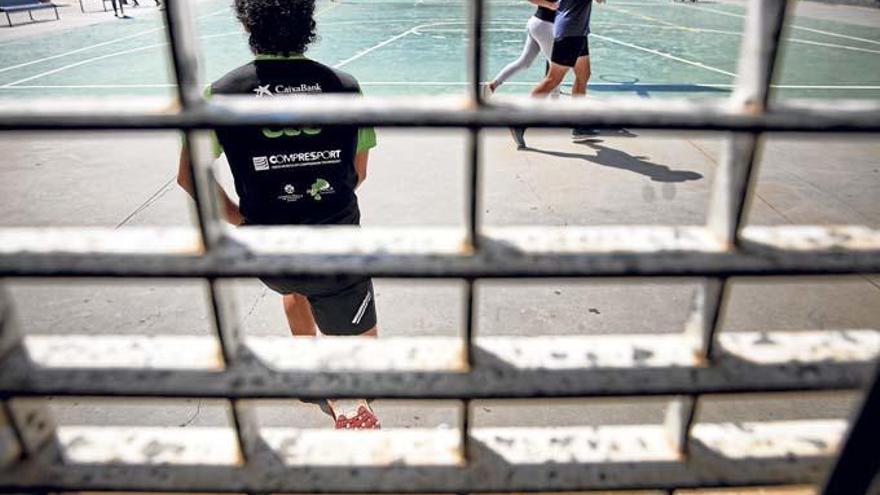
{"x": 298, "y": 175}
{"x": 571, "y": 50}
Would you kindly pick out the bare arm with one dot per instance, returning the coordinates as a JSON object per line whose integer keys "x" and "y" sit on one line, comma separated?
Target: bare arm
{"x": 547, "y": 4}
{"x": 360, "y": 166}
{"x": 185, "y": 180}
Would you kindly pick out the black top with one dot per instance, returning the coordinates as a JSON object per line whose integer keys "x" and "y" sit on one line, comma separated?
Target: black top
{"x": 291, "y": 175}
{"x": 545, "y": 14}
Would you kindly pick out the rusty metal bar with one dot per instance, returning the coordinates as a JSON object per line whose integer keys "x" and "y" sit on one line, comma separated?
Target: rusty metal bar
{"x": 454, "y": 112}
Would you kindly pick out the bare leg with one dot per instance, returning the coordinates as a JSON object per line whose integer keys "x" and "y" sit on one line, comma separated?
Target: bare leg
{"x": 551, "y": 81}
{"x": 349, "y": 407}
{"x": 581, "y": 76}
{"x": 299, "y": 316}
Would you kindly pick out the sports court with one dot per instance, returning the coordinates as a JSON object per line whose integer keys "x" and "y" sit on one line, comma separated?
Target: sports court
{"x": 651, "y": 48}
{"x": 646, "y": 48}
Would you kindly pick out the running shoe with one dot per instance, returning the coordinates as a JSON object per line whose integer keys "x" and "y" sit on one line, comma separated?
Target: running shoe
{"x": 519, "y": 137}
{"x": 582, "y": 133}
{"x": 486, "y": 91}
{"x": 365, "y": 419}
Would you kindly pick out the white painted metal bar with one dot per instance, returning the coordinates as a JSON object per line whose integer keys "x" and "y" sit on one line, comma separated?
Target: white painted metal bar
{"x": 440, "y": 252}
{"x": 418, "y": 461}
{"x": 504, "y": 367}
{"x": 638, "y": 113}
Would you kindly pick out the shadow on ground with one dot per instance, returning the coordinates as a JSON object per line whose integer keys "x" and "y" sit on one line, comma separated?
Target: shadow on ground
{"x": 610, "y": 157}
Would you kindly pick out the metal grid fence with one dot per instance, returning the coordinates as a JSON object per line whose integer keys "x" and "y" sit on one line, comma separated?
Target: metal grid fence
{"x": 682, "y": 367}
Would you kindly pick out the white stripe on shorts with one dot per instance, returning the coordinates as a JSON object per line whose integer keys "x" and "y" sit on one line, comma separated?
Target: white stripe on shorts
{"x": 363, "y": 309}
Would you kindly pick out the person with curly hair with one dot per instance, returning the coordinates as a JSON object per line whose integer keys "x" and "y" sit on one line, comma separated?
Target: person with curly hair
{"x": 298, "y": 175}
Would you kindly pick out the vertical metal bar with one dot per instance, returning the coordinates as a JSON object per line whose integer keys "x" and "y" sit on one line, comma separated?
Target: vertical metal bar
{"x": 680, "y": 416}
{"x": 703, "y": 323}
{"x": 470, "y": 323}
{"x": 473, "y": 189}
{"x": 758, "y": 59}
{"x": 475, "y": 59}
{"x": 758, "y": 54}
{"x": 700, "y": 331}
{"x": 732, "y": 188}
{"x": 467, "y": 453}
{"x": 30, "y": 420}
{"x": 11, "y": 440}
{"x": 180, "y": 27}
{"x": 858, "y": 464}
{"x": 181, "y": 31}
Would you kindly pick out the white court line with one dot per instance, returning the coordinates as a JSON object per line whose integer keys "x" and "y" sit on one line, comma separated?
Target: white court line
{"x": 375, "y": 47}
{"x": 667, "y": 25}
{"x": 81, "y": 62}
{"x": 664, "y": 55}
{"x": 802, "y": 28}
{"x": 97, "y": 45}
{"x": 125, "y": 52}
{"x": 463, "y": 83}
{"x": 672, "y": 25}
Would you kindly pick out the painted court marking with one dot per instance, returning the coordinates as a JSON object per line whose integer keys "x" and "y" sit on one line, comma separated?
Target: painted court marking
{"x": 673, "y": 25}
{"x": 96, "y": 45}
{"x": 792, "y": 26}
{"x": 124, "y": 52}
{"x": 665, "y": 55}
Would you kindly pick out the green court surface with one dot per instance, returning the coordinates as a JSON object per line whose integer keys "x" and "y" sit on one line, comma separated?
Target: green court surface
{"x": 651, "y": 48}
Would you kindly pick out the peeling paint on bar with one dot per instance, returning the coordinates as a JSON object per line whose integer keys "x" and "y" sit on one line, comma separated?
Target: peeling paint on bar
{"x": 442, "y": 252}
{"x": 396, "y": 461}
{"x": 149, "y": 445}
{"x": 353, "y": 353}
{"x": 125, "y": 351}
{"x": 768, "y": 440}
{"x": 386, "y": 447}
{"x": 506, "y": 367}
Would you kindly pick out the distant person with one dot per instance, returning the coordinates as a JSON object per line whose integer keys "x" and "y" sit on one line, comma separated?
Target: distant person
{"x": 118, "y": 10}
{"x": 298, "y": 175}
{"x": 571, "y": 50}
{"x": 136, "y": 4}
{"x": 539, "y": 39}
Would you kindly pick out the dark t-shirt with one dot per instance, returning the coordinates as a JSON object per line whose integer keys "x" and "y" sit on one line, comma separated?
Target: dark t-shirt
{"x": 292, "y": 175}
{"x": 545, "y": 14}
{"x": 572, "y": 18}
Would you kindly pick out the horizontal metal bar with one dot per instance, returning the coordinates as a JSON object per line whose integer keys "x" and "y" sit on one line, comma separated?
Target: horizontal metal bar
{"x": 505, "y": 367}
{"x": 718, "y": 115}
{"x": 503, "y": 460}
{"x": 439, "y": 252}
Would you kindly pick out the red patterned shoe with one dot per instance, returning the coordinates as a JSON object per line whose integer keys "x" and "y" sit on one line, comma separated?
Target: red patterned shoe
{"x": 364, "y": 420}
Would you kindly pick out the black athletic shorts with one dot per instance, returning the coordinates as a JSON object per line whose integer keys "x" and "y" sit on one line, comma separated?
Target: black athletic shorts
{"x": 567, "y": 50}
{"x": 341, "y": 305}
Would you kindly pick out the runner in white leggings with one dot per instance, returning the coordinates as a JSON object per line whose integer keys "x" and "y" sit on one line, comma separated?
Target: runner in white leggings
{"x": 539, "y": 39}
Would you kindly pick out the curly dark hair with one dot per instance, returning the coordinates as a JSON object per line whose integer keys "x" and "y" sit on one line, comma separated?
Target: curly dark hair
{"x": 278, "y": 27}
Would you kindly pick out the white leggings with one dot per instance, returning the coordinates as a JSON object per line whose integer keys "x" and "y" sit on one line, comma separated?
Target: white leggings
{"x": 539, "y": 39}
